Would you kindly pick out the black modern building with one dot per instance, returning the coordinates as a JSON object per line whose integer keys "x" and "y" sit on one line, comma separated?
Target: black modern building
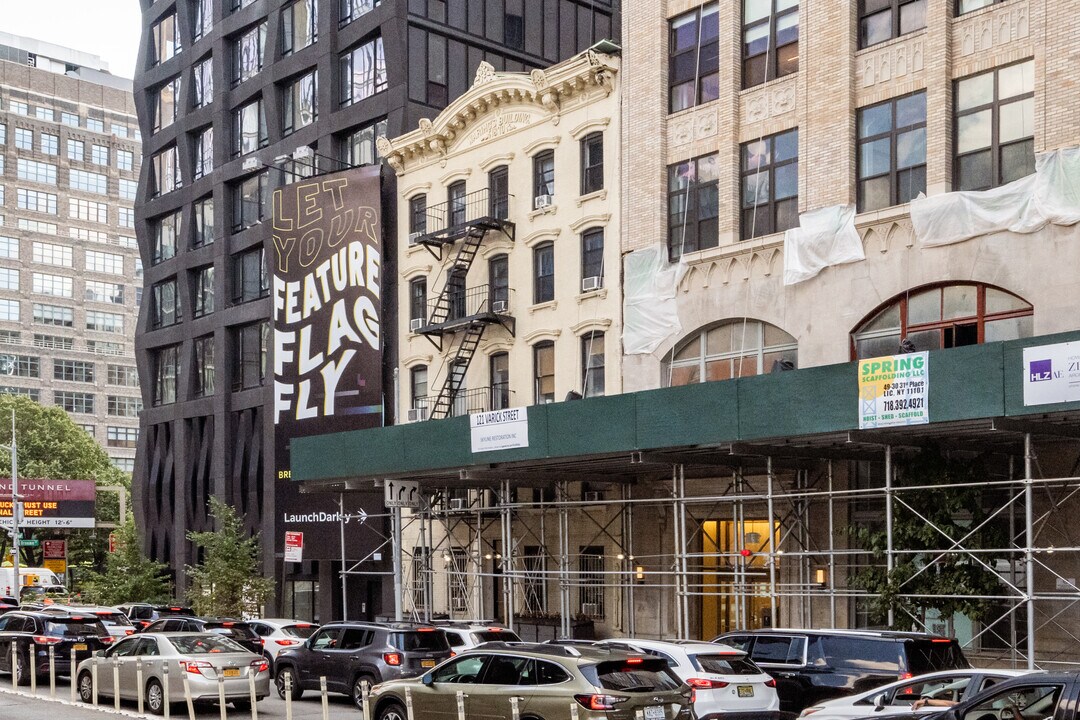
{"x": 235, "y": 98}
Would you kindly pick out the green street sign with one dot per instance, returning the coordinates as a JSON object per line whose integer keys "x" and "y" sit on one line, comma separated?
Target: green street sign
{"x": 29, "y": 542}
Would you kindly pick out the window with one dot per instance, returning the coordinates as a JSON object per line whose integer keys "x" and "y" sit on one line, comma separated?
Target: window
{"x": 9, "y": 248}
{"x": 299, "y": 26}
{"x": 592, "y": 364}
{"x": 122, "y": 437}
{"x": 125, "y": 159}
{"x": 591, "y": 581}
{"x": 9, "y": 310}
{"x": 104, "y": 322}
{"x": 69, "y": 119}
{"x": 89, "y": 182}
{"x": 249, "y": 201}
{"x": 202, "y": 18}
{"x": 544, "y": 273}
{"x": 19, "y": 107}
{"x": 164, "y": 39}
{"x": 104, "y": 292}
{"x": 24, "y": 139}
{"x": 28, "y": 366}
{"x": 74, "y": 402}
{"x": 73, "y": 370}
{"x": 165, "y": 173}
{"x": 166, "y": 374}
{"x": 122, "y": 375}
{"x": 99, "y": 154}
{"x": 88, "y": 210}
{"x": 363, "y": 72}
{"x": 166, "y": 307}
{"x": 123, "y": 406}
{"x": 892, "y": 152}
{"x": 995, "y": 125}
{"x": 204, "y": 291}
{"x": 770, "y": 40}
{"x": 693, "y": 62}
{"x": 455, "y": 203}
{"x": 239, "y": 4}
{"x": 36, "y": 226}
{"x": 36, "y": 201}
{"x": 204, "y": 366}
{"x": 352, "y": 9}
{"x": 204, "y": 222}
{"x": 499, "y": 192}
{"x": 32, "y": 393}
{"x": 881, "y": 20}
{"x": 435, "y": 89}
{"x": 544, "y": 372}
{"x": 44, "y": 113}
{"x": 56, "y": 342}
{"x": 944, "y": 317}
{"x": 418, "y": 386}
{"x": 9, "y": 279}
{"x": 544, "y": 173}
{"x": 38, "y": 172}
{"x": 250, "y": 281}
{"x": 249, "y": 128}
{"x": 202, "y": 83}
{"x": 693, "y": 205}
{"x": 55, "y": 285}
{"x": 1035, "y": 700}
{"x": 418, "y": 214}
{"x": 95, "y": 124}
{"x": 103, "y": 262}
{"x": 125, "y": 217}
{"x": 251, "y": 350}
{"x": 300, "y": 103}
{"x": 105, "y": 347}
{"x": 76, "y": 150}
{"x": 418, "y": 299}
{"x": 128, "y": 189}
{"x": 97, "y": 236}
{"x": 359, "y": 148}
{"x": 166, "y": 230}
{"x": 592, "y": 259}
{"x": 592, "y": 163}
{"x": 728, "y": 350}
{"x": 248, "y": 53}
{"x": 50, "y": 254}
{"x": 770, "y": 185}
{"x": 3, "y": 134}
{"x": 127, "y": 241}
{"x": 966, "y": 6}
{"x": 118, "y": 130}
{"x": 50, "y": 144}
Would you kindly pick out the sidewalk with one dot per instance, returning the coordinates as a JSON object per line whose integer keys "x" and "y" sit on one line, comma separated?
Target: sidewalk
{"x": 19, "y": 705}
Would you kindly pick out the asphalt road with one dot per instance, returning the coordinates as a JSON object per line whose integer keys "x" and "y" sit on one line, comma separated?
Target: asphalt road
{"x": 19, "y": 704}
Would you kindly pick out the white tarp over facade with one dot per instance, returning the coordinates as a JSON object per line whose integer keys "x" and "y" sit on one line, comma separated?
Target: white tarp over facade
{"x": 824, "y": 237}
{"x": 650, "y": 311}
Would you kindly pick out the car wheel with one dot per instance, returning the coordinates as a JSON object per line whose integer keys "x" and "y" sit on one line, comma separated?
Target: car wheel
{"x": 392, "y": 711}
{"x": 279, "y": 682}
{"x": 242, "y": 705}
{"x": 358, "y": 690}
{"x": 86, "y": 687}
{"x": 155, "y": 697}
{"x": 22, "y": 669}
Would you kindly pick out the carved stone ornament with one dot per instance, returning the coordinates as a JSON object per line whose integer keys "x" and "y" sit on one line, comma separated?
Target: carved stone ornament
{"x": 426, "y": 127}
{"x": 383, "y": 145}
{"x": 485, "y": 72}
{"x": 539, "y": 78}
{"x": 550, "y": 102}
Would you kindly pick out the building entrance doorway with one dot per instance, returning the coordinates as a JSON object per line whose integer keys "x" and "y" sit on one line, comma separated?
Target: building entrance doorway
{"x": 735, "y": 575}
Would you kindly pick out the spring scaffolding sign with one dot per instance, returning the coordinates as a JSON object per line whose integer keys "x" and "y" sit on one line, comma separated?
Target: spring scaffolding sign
{"x": 893, "y": 391}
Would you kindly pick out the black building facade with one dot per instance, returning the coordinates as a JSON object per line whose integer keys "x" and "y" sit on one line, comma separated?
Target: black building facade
{"x": 235, "y": 98}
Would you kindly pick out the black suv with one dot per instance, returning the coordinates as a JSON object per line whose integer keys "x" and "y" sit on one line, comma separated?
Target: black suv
{"x": 33, "y": 633}
{"x": 347, "y": 654}
{"x": 810, "y": 666}
{"x": 142, "y": 614}
{"x": 237, "y": 630}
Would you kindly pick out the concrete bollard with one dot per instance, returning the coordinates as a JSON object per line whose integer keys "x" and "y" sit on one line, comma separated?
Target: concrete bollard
{"x": 408, "y": 703}
{"x": 221, "y": 695}
{"x": 365, "y": 695}
{"x": 52, "y": 672}
{"x": 460, "y": 705}
{"x": 116, "y": 682}
{"x": 252, "y": 696}
{"x": 71, "y": 676}
{"x": 165, "y": 688}
{"x": 515, "y": 711}
{"x": 639, "y": 714}
{"x": 32, "y": 662}
{"x": 325, "y": 700}
{"x": 288, "y": 696}
{"x": 574, "y": 712}
{"x": 187, "y": 697}
{"x": 94, "y": 678}
{"x": 14, "y": 663}
{"x": 139, "y": 683}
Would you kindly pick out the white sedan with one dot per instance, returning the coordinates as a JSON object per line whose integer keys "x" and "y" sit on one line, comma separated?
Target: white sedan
{"x": 281, "y": 633}
{"x": 946, "y": 687}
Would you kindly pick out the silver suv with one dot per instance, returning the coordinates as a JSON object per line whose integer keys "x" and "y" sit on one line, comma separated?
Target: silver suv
{"x": 464, "y": 636}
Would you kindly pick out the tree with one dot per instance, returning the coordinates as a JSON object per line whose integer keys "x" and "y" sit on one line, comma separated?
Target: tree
{"x": 129, "y": 575}
{"x": 228, "y": 582}
{"x": 932, "y": 578}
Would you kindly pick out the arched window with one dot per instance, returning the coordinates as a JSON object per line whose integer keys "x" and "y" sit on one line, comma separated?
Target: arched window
{"x": 730, "y": 349}
{"x": 943, "y": 316}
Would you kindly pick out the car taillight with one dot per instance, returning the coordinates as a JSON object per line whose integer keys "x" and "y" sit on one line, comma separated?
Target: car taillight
{"x": 286, "y": 643}
{"x": 260, "y": 665}
{"x": 47, "y": 640}
{"x": 770, "y": 683}
{"x": 129, "y": 631}
{"x": 107, "y": 639}
{"x": 392, "y": 658}
{"x": 599, "y": 702}
{"x": 906, "y": 676}
{"x": 195, "y": 667}
{"x": 706, "y": 684}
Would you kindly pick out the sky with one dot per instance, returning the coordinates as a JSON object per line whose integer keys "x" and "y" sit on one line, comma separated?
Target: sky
{"x": 109, "y": 28}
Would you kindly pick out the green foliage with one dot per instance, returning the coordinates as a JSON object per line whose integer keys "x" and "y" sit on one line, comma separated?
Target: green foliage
{"x": 931, "y": 570}
{"x": 129, "y": 575}
{"x": 228, "y": 581}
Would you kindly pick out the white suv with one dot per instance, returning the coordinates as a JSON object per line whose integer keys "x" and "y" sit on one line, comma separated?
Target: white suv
{"x": 725, "y": 681}
{"x": 464, "y": 636}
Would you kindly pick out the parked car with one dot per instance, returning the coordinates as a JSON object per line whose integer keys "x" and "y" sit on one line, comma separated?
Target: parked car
{"x": 279, "y": 633}
{"x": 463, "y": 636}
{"x": 142, "y": 614}
{"x": 724, "y": 679}
{"x": 811, "y": 666}
{"x": 34, "y": 632}
{"x": 238, "y": 630}
{"x": 547, "y": 679}
{"x": 202, "y": 657}
{"x": 116, "y": 622}
{"x": 896, "y": 698}
{"x": 348, "y": 654}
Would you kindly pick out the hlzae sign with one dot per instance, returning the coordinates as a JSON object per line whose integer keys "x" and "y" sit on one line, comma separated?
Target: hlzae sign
{"x": 50, "y": 503}
{"x": 326, "y": 263}
{"x": 1052, "y": 374}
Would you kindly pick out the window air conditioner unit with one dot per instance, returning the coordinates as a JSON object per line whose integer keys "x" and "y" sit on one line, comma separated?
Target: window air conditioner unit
{"x": 457, "y": 503}
{"x": 590, "y": 609}
{"x": 543, "y": 201}
{"x": 417, "y": 414}
{"x": 415, "y": 324}
{"x": 591, "y": 283}
{"x": 414, "y": 238}
{"x": 499, "y": 306}
{"x": 592, "y": 496}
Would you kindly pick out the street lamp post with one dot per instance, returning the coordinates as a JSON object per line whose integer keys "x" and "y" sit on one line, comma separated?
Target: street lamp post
{"x": 14, "y": 508}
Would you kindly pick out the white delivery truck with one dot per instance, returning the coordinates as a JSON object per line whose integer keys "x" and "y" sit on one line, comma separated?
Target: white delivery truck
{"x": 37, "y": 577}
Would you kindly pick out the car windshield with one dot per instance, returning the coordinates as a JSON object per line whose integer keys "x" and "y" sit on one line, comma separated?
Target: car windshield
{"x": 203, "y": 644}
{"x": 142, "y": 613}
{"x": 925, "y": 656}
{"x": 421, "y": 641}
{"x": 74, "y": 628}
{"x": 633, "y": 675}
{"x": 495, "y": 636}
{"x": 111, "y": 619}
{"x": 238, "y": 630}
{"x": 300, "y": 631}
{"x": 725, "y": 664}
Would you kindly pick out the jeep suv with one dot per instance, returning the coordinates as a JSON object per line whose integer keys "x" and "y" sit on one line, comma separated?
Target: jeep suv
{"x": 464, "y": 636}
{"x": 810, "y": 666}
{"x": 349, "y": 654}
{"x": 554, "y": 682}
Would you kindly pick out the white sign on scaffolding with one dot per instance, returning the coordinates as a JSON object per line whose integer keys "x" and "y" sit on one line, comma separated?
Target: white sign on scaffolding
{"x": 499, "y": 430}
{"x": 1052, "y": 374}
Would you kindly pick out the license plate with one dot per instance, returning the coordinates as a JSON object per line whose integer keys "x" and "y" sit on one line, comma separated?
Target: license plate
{"x": 79, "y": 646}
{"x": 231, "y": 672}
{"x": 654, "y": 712}
{"x": 427, "y": 663}
{"x": 746, "y": 691}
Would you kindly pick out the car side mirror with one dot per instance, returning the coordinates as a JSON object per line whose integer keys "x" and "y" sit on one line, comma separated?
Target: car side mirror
{"x": 879, "y": 701}
{"x": 428, "y": 679}
{"x": 99, "y": 653}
